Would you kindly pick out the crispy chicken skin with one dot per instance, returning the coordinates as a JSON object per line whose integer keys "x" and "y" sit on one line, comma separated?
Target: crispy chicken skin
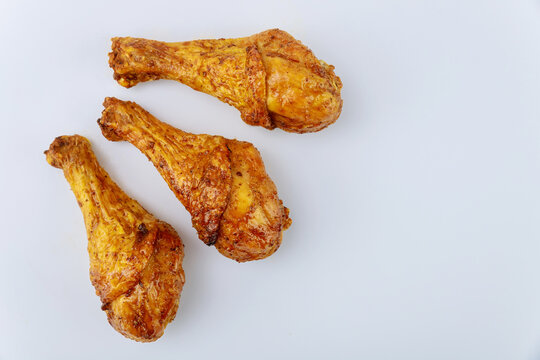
{"x": 222, "y": 183}
{"x": 135, "y": 259}
{"x": 272, "y": 78}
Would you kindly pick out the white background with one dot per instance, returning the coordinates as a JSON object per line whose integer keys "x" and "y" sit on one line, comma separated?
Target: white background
{"x": 416, "y": 217}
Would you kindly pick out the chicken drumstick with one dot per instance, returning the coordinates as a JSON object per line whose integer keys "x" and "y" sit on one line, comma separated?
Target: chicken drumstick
{"x": 272, "y": 78}
{"x": 135, "y": 259}
{"x": 222, "y": 183}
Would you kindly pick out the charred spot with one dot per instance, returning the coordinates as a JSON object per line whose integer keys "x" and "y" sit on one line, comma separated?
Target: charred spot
{"x": 211, "y": 239}
{"x": 238, "y": 173}
{"x": 60, "y": 141}
{"x": 106, "y": 306}
{"x": 141, "y": 232}
{"x": 142, "y": 228}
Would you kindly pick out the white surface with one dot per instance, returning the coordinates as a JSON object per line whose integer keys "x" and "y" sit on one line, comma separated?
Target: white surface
{"x": 416, "y": 230}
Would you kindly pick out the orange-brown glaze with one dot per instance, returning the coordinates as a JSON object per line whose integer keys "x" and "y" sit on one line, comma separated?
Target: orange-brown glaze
{"x": 272, "y": 78}
{"x": 222, "y": 183}
{"x": 135, "y": 259}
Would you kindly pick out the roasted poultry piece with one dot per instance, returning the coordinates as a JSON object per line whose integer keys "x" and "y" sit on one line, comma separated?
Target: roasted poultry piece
{"x": 135, "y": 259}
{"x": 272, "y": 78}
{"x": 222, "y": 183}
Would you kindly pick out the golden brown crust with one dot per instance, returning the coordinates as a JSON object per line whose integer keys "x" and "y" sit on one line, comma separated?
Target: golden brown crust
{"x": 135, "y": 259}
{"x": 196, "y": 167}
{"x": 221, "y": 182}
{"x": 272, "y": 78}
{"x": 303, "y": 93}
{"x": 253, "y": 223}
{"x": 233, "y": 74}
{"x": 142, "y": 313}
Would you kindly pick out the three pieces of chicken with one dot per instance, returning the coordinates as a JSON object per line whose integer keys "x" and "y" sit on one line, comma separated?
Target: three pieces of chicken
{"x": 272, "y": 78}
{"x": 135, "y": 259}
{"x": 222, "y": 183}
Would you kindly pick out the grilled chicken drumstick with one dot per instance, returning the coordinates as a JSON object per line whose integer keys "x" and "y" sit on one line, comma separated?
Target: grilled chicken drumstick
{"x": 272, "y": 78}
{"x": 135, "y": 259}
{"x": 222, "y": 183}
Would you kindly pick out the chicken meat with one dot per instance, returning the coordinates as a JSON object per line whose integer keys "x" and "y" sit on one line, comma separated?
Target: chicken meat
{"x": 223, "y": 184}
{"x": 270, "y": 77}
{"x": 135, "y": 259}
